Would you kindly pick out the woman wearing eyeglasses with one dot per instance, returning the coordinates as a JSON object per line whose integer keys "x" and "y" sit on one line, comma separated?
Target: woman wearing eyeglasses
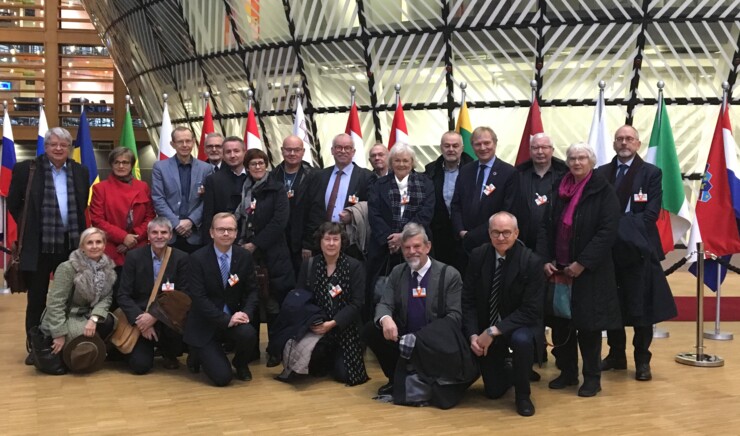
{"x": 577, "y": 236}
{"x": 263, "y": 215}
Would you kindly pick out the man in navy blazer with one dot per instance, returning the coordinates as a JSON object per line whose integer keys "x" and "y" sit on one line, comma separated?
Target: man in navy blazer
{"x": 482, "y": 189}
{"x": 223, "y": 287}
{"x": 177, "y": 186}
{"x": 350, "y": 191}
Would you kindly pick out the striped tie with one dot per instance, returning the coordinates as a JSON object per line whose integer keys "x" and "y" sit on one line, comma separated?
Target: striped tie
{"x": 493, "y": 300}
{"x": 223, "y": 263}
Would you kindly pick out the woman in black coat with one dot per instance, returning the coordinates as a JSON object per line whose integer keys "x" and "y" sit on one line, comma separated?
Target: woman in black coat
{"x": 396, "y": 199}
{"x": 577, "y": 237}
{"x": 263, "y": 215}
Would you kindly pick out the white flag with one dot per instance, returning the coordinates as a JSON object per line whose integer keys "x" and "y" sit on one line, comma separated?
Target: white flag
{"x": 300, "y": 129}
{"x": 165, "y": 136}
{"x": 598, "y": 137}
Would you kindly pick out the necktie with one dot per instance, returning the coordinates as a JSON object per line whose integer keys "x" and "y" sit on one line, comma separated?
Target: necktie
{"x": 620, "y": 175}
{"x": 223, "y": 264}
{"x": 333, "y": 196}
{"x": 493, "y": 300}
{"x": 415, "y": 275}
{"x": 481, "y": 179}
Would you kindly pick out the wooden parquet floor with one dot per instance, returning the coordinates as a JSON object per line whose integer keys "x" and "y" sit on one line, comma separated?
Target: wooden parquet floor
{"x": 680, "y": 400}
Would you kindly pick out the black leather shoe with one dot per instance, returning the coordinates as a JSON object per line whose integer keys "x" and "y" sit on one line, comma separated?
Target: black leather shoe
{"x": 613, "y": 363}
{"x": 524, "y": 407}
{"x": 534, "y": 376}
{"x": 170, "y": 363}
{"x": 643, "y": 372}
{"x": 29, "y": 360}
{"x": 273, "y": 361}
{"x": 244, "y": 373}
{"x": 563, "y": 381}
{"x": 589, "y": 389}
{"x": 193, "y": 364}
{"x": 386, "y": 389}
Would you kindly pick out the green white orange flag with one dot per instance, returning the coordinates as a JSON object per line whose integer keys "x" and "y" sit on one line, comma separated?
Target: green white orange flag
{"x": 674, "y": 219}
{"x": 465, "y": 129}
{"x": 128, "y": 140}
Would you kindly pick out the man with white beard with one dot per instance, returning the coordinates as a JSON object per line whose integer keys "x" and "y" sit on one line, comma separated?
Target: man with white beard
{"x": 418, "y": 320}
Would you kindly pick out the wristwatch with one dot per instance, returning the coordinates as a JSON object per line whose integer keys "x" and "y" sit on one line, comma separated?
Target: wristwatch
{"x": 489, "y": 331}
{"x": 94, "y": 318}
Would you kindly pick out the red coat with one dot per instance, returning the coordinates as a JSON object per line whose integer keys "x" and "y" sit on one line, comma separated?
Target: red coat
{"x": 112, "y": 202}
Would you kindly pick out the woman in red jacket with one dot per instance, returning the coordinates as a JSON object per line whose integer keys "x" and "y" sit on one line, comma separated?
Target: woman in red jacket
{"x": 121, "y": 206}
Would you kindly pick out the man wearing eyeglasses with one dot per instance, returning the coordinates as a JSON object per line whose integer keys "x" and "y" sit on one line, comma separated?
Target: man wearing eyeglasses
{"x": 502, "y": 308}
{"x": 214, "y": 149}
{"x": 222, "y": 190}
{"x": 223, "y": 287}
{"x": 177, "y": 188}
{"x": 535, "y": 185}
{"x": 341, "y": 185}
{"x": 644, "y": 294}
{"x": 296, "y": 175}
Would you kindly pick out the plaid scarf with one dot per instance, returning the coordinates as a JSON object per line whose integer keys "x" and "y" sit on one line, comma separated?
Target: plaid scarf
{"x": 52, "y": 226}
{"x": 415, "y": 192}
{"x": 349, "y": 338}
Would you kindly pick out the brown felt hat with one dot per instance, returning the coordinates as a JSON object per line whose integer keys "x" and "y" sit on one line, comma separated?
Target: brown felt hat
{"x": 83, "y": 354}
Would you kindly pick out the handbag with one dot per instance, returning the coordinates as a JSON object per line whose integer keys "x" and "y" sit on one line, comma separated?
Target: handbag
{"x": 125, "y": 335}
{"x": 171, "y": 308}
{"x": 559, "y": 290}
{"x": 13, "y": 275}
{"x": 43, "y": 359}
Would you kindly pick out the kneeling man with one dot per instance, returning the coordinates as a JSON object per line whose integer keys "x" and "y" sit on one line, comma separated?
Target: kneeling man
{"x": 416, "y": 332}
{"x": 502, "y": 303}
{"x": 223, "y": 287}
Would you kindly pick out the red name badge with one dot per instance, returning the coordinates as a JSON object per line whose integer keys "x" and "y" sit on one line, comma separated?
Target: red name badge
{"x": 640, "y": 197}
{"x": 290, "y": 194}
{"x": 419, "y": 292}
{"x": 353, "y": 199}
{"x": 233, "y": 279}
{"x": 335, "y": 290}
{"x": 404, "y": 199}
{"x": 167, "y": 286}
{"x": 539, "y": 200}
{"x": 488, "y": 189}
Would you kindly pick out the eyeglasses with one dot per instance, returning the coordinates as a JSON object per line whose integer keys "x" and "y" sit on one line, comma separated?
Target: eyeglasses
{"x": 577, "y": 158}
{"x": 506, "y": 234}
{"x": 122, "y": 163}
{"x": 256, "y": 164}
{"x": 213, "y": 146}
{"x": 541, "y": 148}
{"x": 627, "y": 139}
{"x": 225, "y": 230}
{"x": 345, "y": 149}
{"x": 291, "y": 150}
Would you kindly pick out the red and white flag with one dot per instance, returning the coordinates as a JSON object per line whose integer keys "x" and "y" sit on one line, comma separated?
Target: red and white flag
{"x": 166, "y": 150}
{"x": 252, "y": 133}
{"x": 354, "y": 130}
{"x": 399, "y": 132}
{"x": 207, "y": 128}
{"x": 531, "y": 128}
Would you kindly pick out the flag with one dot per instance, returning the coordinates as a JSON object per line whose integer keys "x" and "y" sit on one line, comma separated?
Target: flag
{"x": 712, "y": 271}
{"x": 207, "y": 128}
{"x": 7, "y": 162}
{"x": 83, "y": 151}
{"x": 300, "y": 129}
{"x": 465, "y": 129}
{"x": 252, "y": 133}
{"x": 598, "y": 137}
{"x": 128, "y": 140}
{"x": 354, "y": 130}
{"x": 43, "y": 128}
{"x": 718, "y": 203}
{"x": 399, "y": 132}
{"x": 533, "y": 127}
{"x": 674, "y": 219}
{"x": 165, "y": 136}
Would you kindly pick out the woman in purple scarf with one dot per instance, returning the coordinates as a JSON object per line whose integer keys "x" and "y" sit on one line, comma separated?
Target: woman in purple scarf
{"x": 577, "y": 237}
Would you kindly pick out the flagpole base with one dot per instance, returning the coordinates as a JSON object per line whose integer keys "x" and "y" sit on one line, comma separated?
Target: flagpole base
{"x": 4, "y": 291}
{"x": 703, "y": 360}
{"x": 661, "y": 334}
{"x": 718, "y": 336}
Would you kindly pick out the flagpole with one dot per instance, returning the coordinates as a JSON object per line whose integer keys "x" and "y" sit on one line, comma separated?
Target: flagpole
{"x": 698, "y": 358}
{"x": 250, "y": 94}
{"x": 717, "y": 334}
{"x": 352, "y": 90}
{"x": 463, "y": 86}
{"x": 398, "y": 94}
{"x": 533, "y": 85}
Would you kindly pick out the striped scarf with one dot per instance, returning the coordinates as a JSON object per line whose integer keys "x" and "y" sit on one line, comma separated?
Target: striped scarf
{"x": 52, "y": 226}
{"x": 415, "y": 192}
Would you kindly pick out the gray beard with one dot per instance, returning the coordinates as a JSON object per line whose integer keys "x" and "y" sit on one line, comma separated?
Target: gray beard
{"x": 414, "y": 263}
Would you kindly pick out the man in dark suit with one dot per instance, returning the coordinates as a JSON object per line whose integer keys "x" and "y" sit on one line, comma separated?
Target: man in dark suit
{"x": 139, "y": 272}
{"x": 444, "y": 172}
{"x": 502, "y": 303}
{"x": 177, "y": 188}
{"x": 639, "y": 188}
{"x": 223, "y": 286}
{"x": 480, "y": 191}
{"x": 296, "y": 175}
{"x": 342, "y": 185}
{"x": 410, "y": 302}
{"x": 214, "y": 150}
{"x": 222, "y": 190}
{"x": 56, "y": 216}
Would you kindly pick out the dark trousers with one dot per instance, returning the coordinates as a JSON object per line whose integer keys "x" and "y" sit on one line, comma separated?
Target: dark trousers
{"x": 385, "y": 351}
{"x": 38, "y": 286}
{"x": 212, "y": 356}
{"x": 496, "y": 378}
{"x": 567, "y": 341}
{"x": 327, "y": 359}
{"x": 184, "y": 245}
{"x": 141, "y": 359}
{"x": 617, "y": 340}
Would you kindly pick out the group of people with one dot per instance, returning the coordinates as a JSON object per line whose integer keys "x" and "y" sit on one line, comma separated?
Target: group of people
{"x": 444, "y": 275}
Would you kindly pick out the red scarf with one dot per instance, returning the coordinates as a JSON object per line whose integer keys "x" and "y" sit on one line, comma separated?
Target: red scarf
{"x": 569, "y": 192}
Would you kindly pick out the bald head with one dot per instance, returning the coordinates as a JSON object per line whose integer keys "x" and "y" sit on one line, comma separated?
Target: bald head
{"x": 292, "y": 151}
